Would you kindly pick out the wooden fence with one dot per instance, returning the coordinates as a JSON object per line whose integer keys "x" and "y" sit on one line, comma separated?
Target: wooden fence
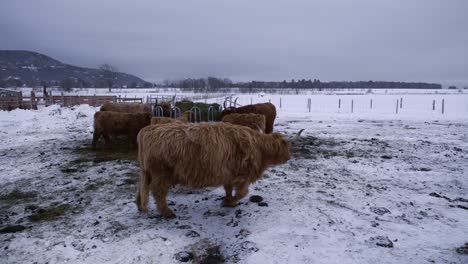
{"x": 71, "y": 100}
{"x": 18, "y": 101}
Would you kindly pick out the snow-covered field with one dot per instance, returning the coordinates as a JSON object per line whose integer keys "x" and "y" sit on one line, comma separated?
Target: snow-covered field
{"x": 363, "y": 187}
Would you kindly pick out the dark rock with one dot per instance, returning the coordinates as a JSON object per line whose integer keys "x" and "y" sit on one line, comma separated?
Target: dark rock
{"x": 184, "y": 256}
{"x": 381, "y": 241}
{"x": 380, "y": 210}
{"x": 463, "y": 249}
{"x": 255, "y": 198}
{"x": 386, "y": 157}
{"x": 425, "y": 169}
{"x": 238, "y": 213}
{"x": 249, "y": 246}
{"x": 69, "y": 170}
{"x": 191, "y": 233}
{"x": 263, "y": 204}
{"x": 206, "y": 252}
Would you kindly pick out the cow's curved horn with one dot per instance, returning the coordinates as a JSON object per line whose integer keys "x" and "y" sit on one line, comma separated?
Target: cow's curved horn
{"x": 297, "y": 136}
{"x": 259, "y": 129}
{"x": 224, "y": 104}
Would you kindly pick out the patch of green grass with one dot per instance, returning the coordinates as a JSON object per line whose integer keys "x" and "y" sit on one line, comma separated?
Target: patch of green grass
{"x": 50, "y": 213}
{"x": 186, "y": 105}
{"x": 18, "y": 195}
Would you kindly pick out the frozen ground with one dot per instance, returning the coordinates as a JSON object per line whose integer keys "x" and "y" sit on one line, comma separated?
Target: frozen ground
{"x": 360, "y": 188}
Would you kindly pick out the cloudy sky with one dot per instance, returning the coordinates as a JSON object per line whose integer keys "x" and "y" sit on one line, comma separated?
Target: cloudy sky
{"x": 408, "y": 40}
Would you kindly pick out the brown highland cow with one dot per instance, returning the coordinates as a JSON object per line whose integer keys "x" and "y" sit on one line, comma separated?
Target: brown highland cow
{"x": 109, "y": 123}
{"x": 204, "y": 155}
{"x": 266, "y": 109}
{"x": 126, "y": 108}
{"x": 254, "y": 121}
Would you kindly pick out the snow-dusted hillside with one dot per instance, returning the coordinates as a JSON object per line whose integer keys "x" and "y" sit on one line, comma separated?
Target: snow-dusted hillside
{"x": 365, "y": 187}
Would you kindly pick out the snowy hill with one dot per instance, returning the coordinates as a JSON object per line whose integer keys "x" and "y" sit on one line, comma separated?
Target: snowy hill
{"x": 25, "y": 66}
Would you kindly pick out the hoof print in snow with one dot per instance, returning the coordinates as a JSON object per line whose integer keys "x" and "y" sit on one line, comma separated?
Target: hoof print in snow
{"x": 381, "y": 241}
{"x": 12, "y": 229}
{"x": 249, "y": 246}
{"x": 191, "y": 233}
{"x": 256, "y": 198}
{"x": 69, "y": 170}
{"x": 213, "y": 213}
{"x": 204, "y": 251}
{"x": 386, "y": 157}
{"x": 184, "y": 256}
{"x": 463, "y": 249}
{"x": 263, "y": 204}
{"x": 380, "y": 210}
{"x": 243, "y": 233}
{"x": 425, "y": 169}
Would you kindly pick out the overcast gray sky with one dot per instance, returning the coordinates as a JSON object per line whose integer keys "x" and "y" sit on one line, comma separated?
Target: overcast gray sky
{"x": 407, "y": 40}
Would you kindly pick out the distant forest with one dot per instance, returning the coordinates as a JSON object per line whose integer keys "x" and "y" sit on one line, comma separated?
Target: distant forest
{"x": 213, "y": 84}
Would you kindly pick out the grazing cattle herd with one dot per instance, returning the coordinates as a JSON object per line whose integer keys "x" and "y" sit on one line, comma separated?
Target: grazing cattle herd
{"x": 232, "y": 153}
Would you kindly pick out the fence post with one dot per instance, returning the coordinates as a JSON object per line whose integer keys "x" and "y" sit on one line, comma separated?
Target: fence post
{"x": 63, "y": 100}
{"x": 32, "y": 99}
{"x": 250, "y": 100}
{"x": 401, "y": 102}
{"x": 339, "y": 103}
{"x": 443, "y": 106}
{"x": 352, "y": 106}
{"x": 280, "y": 102}
{"x": 370, "y": 103}
{"x": 396, "y": 111}
{"x": 433, "y": 105}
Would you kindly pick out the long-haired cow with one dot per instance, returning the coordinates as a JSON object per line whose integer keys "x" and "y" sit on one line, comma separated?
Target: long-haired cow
{"x": 126, "y": 108}
{"x": 109, "y": 123}
{"x": 266, "y": 109}
{"x": 254, "y": 121}
{"x": 203, "y": 155}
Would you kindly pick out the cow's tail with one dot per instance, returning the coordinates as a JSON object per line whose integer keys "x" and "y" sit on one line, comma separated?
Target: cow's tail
{"x": 142, "y": 195}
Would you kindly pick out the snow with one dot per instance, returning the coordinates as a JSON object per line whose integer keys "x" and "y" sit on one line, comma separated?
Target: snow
{"x": 354, "y": 179}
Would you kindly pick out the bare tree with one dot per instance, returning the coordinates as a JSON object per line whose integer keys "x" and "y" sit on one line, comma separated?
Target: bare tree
{"x": 109, "y": 74}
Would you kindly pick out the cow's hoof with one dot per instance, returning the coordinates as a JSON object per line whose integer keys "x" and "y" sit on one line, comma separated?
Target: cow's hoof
{"x": 168, "y": 214}
{"x": 229, "y": 203}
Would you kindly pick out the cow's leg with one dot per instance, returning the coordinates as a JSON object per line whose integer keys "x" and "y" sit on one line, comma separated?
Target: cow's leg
{"x": 241, "y": 191}
{"x": 160, "y": 189}
{"x": 96, "y": 136}
{"x": 107, "y": 139}
{"x": 228, "y": 198}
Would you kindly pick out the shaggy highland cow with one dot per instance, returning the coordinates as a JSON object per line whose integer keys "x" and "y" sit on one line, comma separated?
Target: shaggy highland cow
{"x": 254, "y": 121}
{"x": 109, "y": 123}
{"x": 166, "y": 109}
{"x": 126, "y": 108}
{"x": 164, "y": 120}
{"x": 266, "y": 109}
{"x": 203, "y": 155}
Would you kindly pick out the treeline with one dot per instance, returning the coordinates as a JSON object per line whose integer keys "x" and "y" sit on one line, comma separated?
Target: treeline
{"x": 213, "y": 84}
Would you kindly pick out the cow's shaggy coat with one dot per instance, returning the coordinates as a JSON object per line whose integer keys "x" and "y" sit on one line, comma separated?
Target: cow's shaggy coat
{"x": 266, "y": 109}
{"x": 203, "y": 155}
